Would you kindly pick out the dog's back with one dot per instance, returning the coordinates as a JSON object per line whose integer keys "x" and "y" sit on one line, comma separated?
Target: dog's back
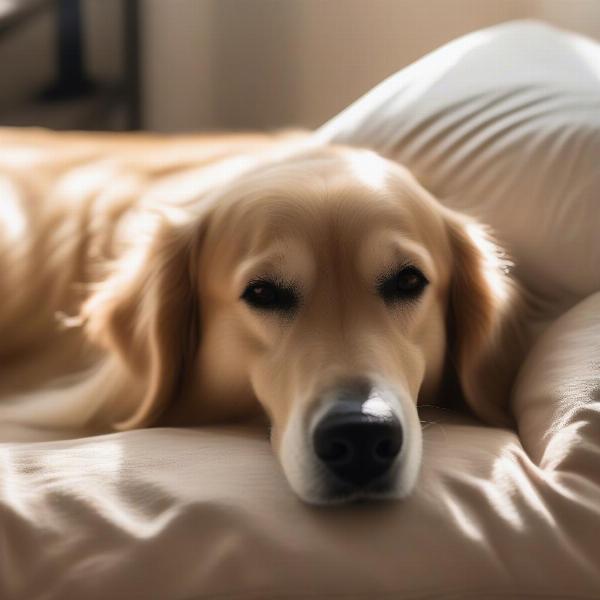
{"x": 63, "y": 201}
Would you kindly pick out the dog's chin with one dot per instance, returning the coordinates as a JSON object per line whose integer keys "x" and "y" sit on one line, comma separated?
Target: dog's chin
{"x": 318, "y": 487}
{"x": 332, "y": 492}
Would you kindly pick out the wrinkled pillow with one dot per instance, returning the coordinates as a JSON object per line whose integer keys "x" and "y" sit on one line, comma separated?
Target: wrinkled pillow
{"x": 503, "y": 124}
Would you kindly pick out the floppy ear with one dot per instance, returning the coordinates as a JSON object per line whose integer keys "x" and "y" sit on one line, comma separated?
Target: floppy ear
{"x": 485, "y": 338}
{"x": 146, "y": 312}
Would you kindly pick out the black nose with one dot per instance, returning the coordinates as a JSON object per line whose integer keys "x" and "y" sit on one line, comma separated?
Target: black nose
{"x": 357, "y": 447}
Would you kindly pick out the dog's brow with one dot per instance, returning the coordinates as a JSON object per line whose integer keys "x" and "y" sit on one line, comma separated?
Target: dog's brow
{"x": 285, "y": 262}
{"x": 414, "y": 253}
{"x": 259, "y": 266}
{"x": 393, "y": 251}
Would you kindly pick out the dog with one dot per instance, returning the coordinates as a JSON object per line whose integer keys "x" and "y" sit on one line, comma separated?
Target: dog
{"x": 148, "y": 281}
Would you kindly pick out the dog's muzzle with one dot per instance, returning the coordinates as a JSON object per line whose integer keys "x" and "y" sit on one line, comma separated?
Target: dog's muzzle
{"x": 356, "y": 442}
{"x": 362, "y": 440}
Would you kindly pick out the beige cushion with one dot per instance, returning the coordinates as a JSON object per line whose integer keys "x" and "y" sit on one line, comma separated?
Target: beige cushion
{"x": 206, "y": 513}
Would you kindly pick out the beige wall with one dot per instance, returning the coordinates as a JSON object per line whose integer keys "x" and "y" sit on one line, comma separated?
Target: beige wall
{"x": 177, "y": 70}
{"x": 231, "y": 64}
{"x": 213, "y": 64}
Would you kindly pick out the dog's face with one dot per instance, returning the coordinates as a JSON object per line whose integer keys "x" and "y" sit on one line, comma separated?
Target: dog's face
{"x": 325, "y": 285}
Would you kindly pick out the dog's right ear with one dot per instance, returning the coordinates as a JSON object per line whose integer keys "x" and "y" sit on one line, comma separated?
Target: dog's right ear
{"x": 146, "y": 313}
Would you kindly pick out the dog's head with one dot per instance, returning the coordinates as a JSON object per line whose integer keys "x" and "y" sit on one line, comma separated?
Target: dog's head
{"x": 328, "y": 287}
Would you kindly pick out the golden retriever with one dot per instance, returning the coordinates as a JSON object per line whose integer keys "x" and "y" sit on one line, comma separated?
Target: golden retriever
{"x": 182, "y": 281}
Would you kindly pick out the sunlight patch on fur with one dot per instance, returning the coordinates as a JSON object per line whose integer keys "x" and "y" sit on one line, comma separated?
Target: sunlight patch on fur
{"x": 87, "y": 179}
{"x": 12, "y": 220}
{"x": 496, "y": 267}
{"x": 369, "y": 169}
{"x": 19, "y": 156}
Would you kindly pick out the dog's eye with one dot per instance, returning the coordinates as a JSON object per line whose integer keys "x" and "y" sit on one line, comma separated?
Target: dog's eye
{"x": 268, "y": 295}
{"x": 406, "y": 284}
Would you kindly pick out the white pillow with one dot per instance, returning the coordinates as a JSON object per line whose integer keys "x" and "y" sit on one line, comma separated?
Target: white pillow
{"x": 503, "y": 124}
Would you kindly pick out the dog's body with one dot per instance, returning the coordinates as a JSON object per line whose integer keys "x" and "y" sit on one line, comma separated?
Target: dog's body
{"x": 197, "y": 280}
{"x": 69, "y": 204}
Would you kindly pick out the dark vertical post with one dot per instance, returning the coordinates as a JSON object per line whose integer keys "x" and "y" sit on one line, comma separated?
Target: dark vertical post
{"x": 70, "y": 47}
{"x": 71, "y": 79}
{"x": 132, "y": 64}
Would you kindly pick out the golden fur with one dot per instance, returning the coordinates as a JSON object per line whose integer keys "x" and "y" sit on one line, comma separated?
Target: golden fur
{"x": 122, "y": 261}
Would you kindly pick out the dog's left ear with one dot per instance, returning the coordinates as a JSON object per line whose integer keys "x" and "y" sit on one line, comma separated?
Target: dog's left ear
{"x": 146, "y": 313}
{"x": 483, "y": 321}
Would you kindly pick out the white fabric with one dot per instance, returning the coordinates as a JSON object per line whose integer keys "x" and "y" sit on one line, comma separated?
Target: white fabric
{"x": 504, "y": 123}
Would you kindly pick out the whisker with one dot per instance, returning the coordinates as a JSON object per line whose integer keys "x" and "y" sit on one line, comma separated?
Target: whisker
{"x": 446, "y": 408}
{"x": 428, "y": 424}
